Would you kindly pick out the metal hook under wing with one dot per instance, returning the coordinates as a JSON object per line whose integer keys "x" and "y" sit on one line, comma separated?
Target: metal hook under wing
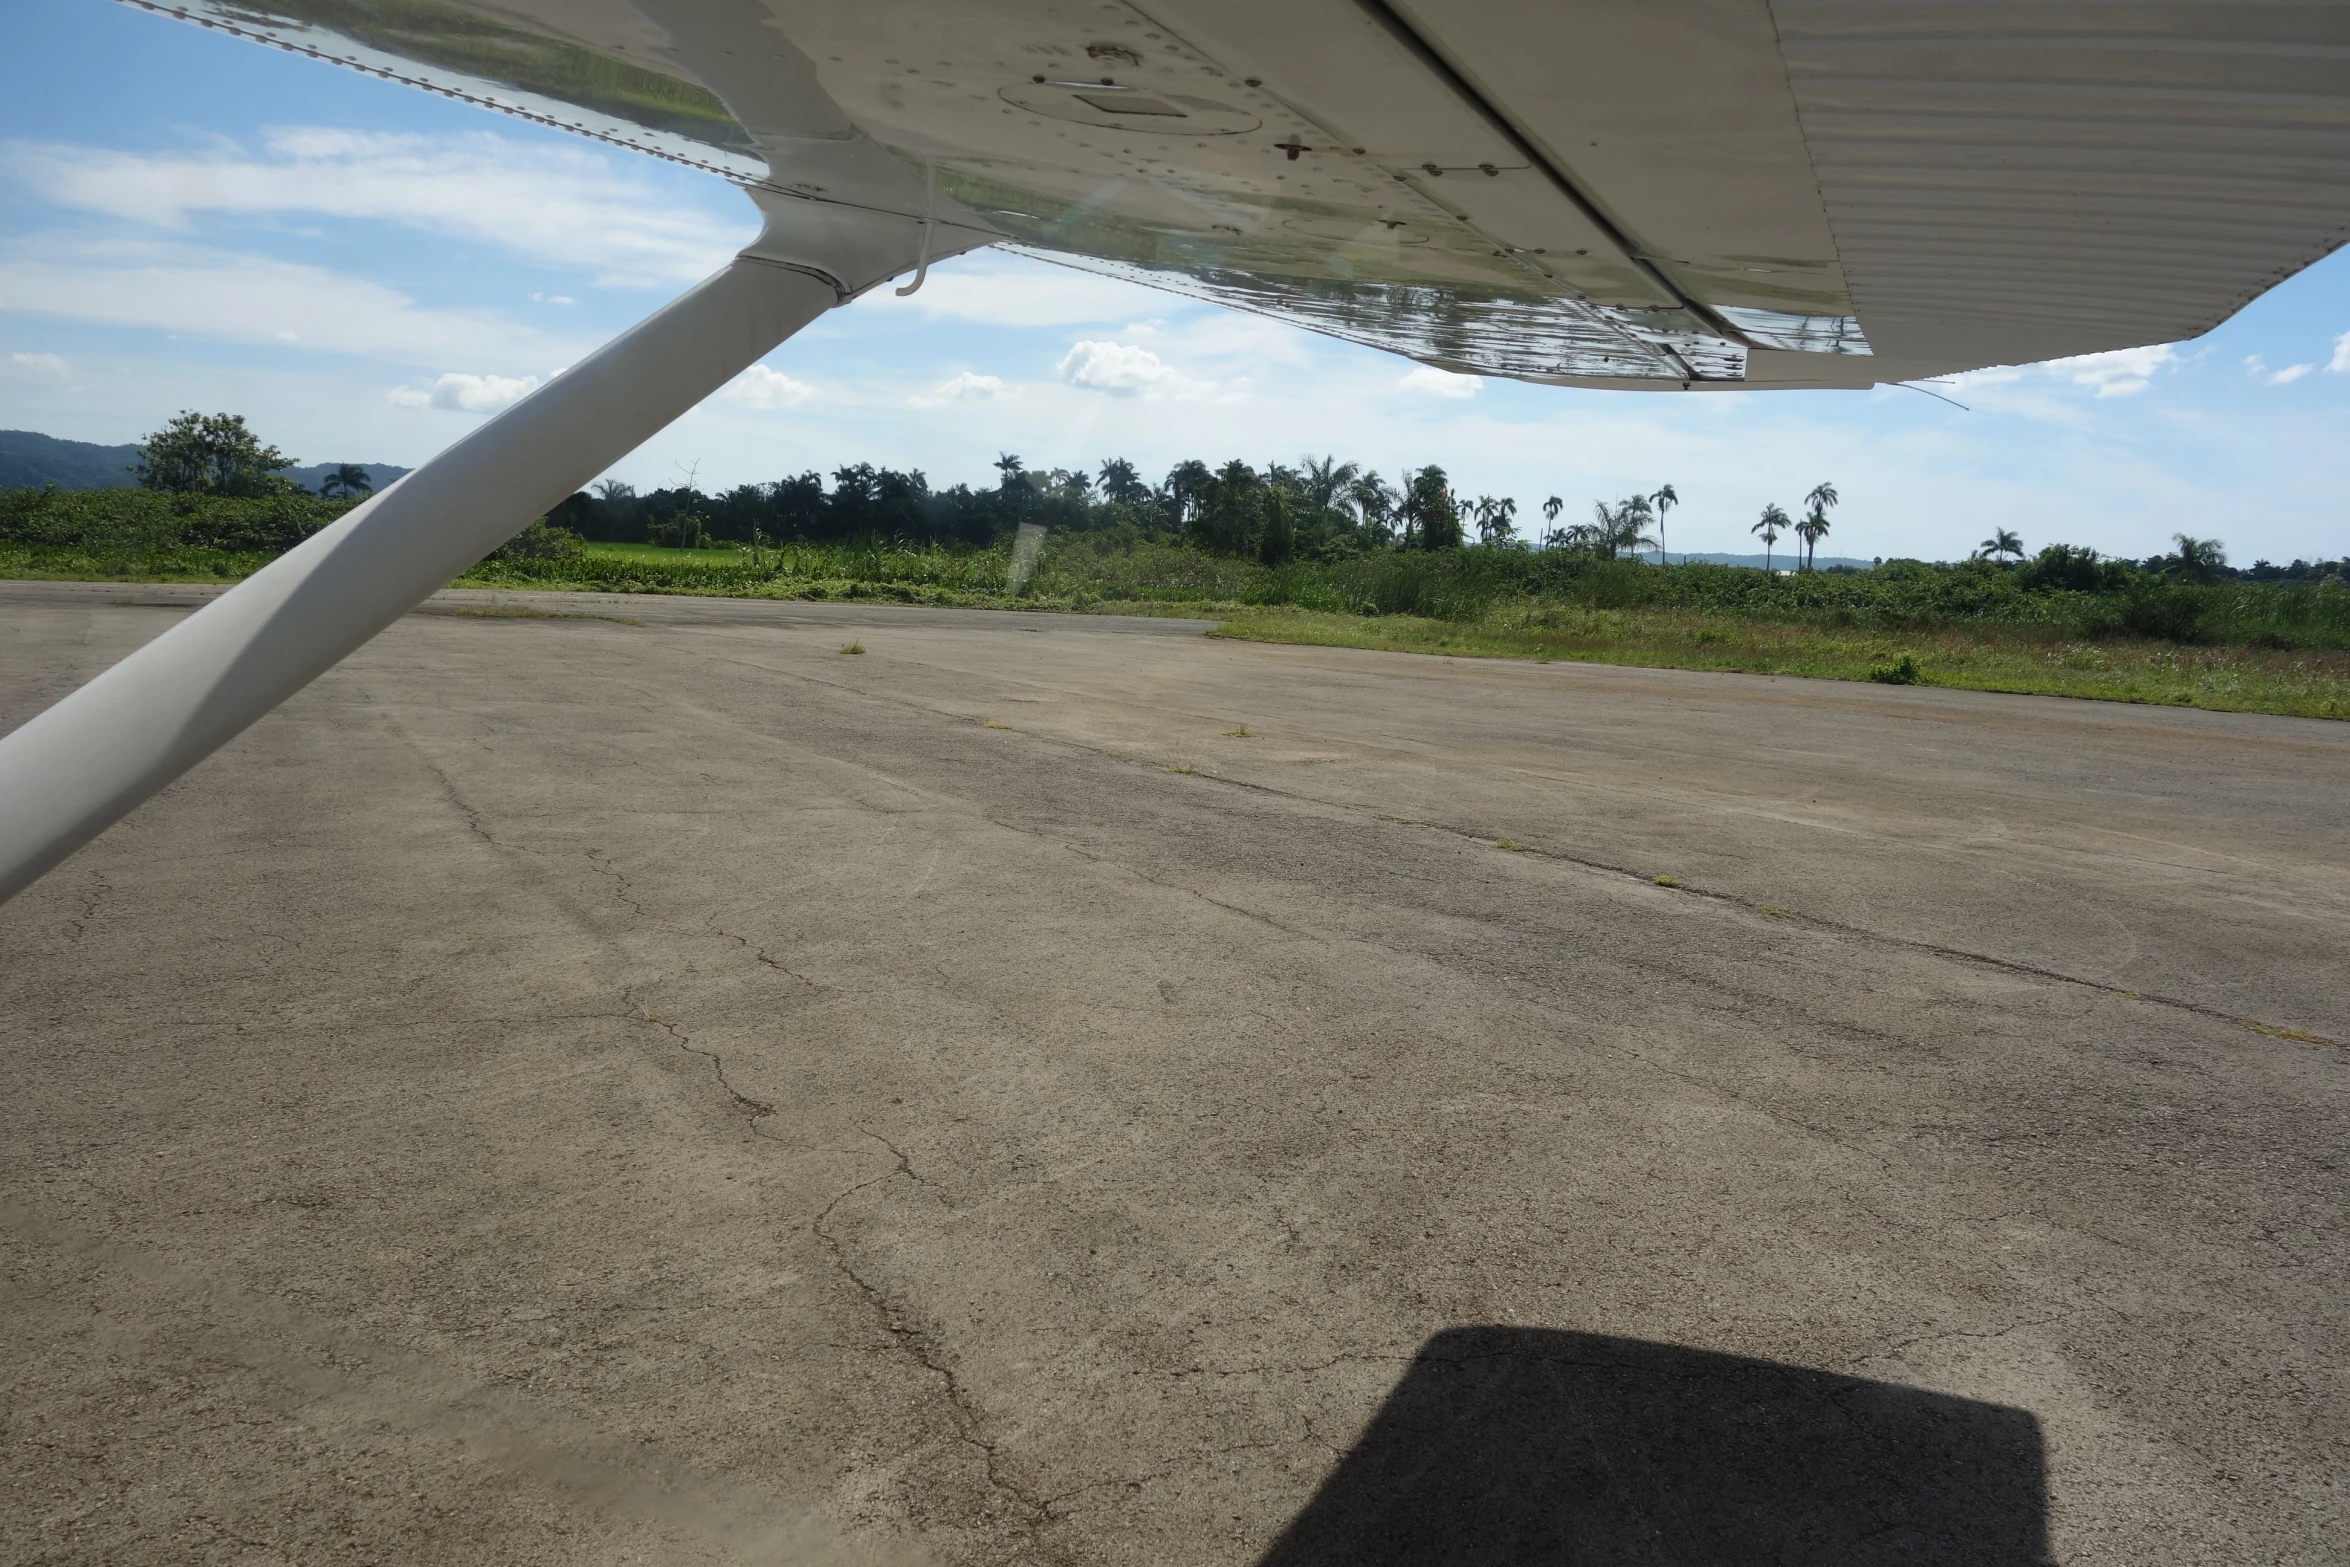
{"x": 929, "y": 222}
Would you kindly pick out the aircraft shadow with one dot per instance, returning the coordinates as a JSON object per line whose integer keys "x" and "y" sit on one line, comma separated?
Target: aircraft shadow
{"x": 1532, "y": 1445}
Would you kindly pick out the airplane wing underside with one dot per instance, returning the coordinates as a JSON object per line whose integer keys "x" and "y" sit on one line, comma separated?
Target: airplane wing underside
{"x": 1631, "y": 193}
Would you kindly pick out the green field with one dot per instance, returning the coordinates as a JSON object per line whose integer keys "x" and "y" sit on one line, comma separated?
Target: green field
{"x": 2235, "y": 646}
{"x": 2298, "y": 683}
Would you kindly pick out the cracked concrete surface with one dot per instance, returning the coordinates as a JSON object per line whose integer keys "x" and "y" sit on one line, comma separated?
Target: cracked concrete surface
{"x": 570, "y": 1091}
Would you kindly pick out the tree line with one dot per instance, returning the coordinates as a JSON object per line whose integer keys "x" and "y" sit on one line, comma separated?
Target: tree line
{"x": 1320, "y": 509}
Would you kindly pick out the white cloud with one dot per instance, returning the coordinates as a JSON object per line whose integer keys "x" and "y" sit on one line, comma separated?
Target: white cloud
{"x": 570, "y": 206}
{"x": 471, "y": 394}
{"x": 2124, "y": 372}
{"x": 200, "y": 292}
{"x": 40, "y": 364}
{"x": 965, "y": 388}
{"x": 2257, "y": 368}
{"x": 1440, "y": 383}
{"x": 553, "y": 299}
{"x": 760, "y": 387}
{"x": 2340, "y": 363}
{"x": 1120, "y": 369}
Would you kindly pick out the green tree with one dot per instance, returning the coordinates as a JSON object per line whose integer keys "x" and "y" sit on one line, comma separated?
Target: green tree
{"x": 2197, "y": 560}
{"x": 2003, "y": 542}
{"x": 1326, "y": 480}
{"x": 1496, "y": 524}
{"x": 1553, "y": 536}
{"x": 1230, "y": 507}
{"x": 1663, "y": 500}
{"x": 1122, "y": 484}
{"x": 1431, "y": 516}
{"x": 344, "y": 480}
{"x": 211, "y": 454}
{"x": 1814, "y": 527}
{"x": 1186, "y": 484}
{"x": 1774, "y": 522}
{"x": 1374, "y": 502}
{"x": 1613, "y": 530}
{"x": 1277, "y": 523}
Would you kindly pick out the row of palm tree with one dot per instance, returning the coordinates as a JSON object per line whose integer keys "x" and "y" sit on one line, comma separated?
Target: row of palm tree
{"x": 1811, "y": 529}
{"x": 1613, "y": 530}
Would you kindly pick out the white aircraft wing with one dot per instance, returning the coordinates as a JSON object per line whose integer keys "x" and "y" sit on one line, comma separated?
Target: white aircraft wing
{"x": 1646, "y": 193}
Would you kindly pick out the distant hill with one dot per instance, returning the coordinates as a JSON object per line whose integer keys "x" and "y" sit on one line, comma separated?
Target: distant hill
{"x": 29, "y": 460}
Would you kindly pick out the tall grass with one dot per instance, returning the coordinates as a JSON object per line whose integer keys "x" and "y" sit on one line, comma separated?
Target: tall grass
{"x": 1469, "y": 585}
{"x": 919, "y": 574}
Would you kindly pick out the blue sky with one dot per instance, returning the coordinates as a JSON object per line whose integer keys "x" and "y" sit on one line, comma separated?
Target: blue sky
{"x": 366, "y": 271}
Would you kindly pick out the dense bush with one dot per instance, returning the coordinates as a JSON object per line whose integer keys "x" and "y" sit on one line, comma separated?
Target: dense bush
{"x": 146, "y": 520}
{"x": 1463, "y": 584}
{"x": 540, "y": 541}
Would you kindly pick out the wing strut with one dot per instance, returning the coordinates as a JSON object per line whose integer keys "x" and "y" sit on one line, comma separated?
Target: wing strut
{"x": 75, "y": 769}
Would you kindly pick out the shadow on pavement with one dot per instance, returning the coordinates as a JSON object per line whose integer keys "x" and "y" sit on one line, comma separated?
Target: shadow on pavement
{"x": 1530, "y": 1445}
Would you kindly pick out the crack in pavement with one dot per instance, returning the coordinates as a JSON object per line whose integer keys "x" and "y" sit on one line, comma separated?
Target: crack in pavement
{"x": 758, "y": 1109}
{"x": 915, "y": 1343}
{"x": 100, "y": 889}
{"x": 1894, "y": 1350}
{"x": 597, "y": 859}
{"x": 1142, "y": 875}
{"x": 758, "y": 953}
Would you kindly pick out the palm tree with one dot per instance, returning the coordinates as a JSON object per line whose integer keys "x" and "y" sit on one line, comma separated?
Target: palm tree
{"x": 2199, "y": 559}
{"x": 1615, "y": 529}
{"x": 1326, "y": 479}
{"x": 1664, "y": 501}
{"x": 1374, "y": 501}
{"x": 1553, "y": 537}
{"x": 2003, "y": 541}
{"x": 1818, "y": 503}
{"x": 1494, "y": 525}
{"x": 1430, "y": 511}
{"x": 1181, "y": 493}
{"x": 1774, "y": 522}
{"x": 1811, "y": 530}
{"x": 344, "y": 479}
{"x": 1122, "y": 484}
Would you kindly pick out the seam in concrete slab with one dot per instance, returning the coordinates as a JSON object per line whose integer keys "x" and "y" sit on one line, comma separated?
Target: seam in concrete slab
{"x": 1487, "y": 837}
{"x": 1483, "y": 837}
